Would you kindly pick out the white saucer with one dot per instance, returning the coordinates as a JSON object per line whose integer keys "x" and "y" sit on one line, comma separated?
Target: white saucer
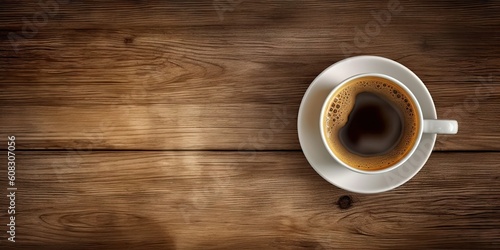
{"x": 310, "y": 137}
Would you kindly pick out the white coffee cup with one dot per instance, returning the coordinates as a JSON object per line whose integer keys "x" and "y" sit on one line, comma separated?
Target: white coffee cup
{"x": 426, "y": 125}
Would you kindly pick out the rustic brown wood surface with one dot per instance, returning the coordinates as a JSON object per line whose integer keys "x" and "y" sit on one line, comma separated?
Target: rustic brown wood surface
{"x": 228, "y": 200}
{"x": 139, "y": 124}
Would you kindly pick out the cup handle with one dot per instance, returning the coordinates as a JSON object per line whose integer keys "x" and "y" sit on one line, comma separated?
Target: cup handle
{"x": 449, "y": 127}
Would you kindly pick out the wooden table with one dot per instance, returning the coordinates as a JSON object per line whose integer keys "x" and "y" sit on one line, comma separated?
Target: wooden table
{"x": 147, "y": 124}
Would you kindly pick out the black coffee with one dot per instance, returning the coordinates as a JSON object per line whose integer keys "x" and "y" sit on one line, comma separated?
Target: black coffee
{"x": 371, "y": 123}
{"x": 373, "y": 127}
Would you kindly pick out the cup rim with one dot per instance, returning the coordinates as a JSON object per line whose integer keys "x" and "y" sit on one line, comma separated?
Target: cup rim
{"x": 408, "y": 92}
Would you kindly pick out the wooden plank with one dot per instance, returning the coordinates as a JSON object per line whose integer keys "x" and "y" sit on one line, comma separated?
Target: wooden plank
{"x": 162, "y": 75}
{"x": 213, "y": 127}
{"x": 150, "y": 14}
{"x": 229, "y": 200}
{"x": 226, "y": 127}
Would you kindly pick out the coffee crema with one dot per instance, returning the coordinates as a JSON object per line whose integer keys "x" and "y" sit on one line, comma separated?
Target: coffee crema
{"x": 371, "y": 123}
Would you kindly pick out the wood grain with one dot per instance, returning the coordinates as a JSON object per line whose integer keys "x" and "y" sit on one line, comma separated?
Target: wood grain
{"x": 172, "y": 76}
{"x": 226, "y": 200}
{"x": 171, "y": 125}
